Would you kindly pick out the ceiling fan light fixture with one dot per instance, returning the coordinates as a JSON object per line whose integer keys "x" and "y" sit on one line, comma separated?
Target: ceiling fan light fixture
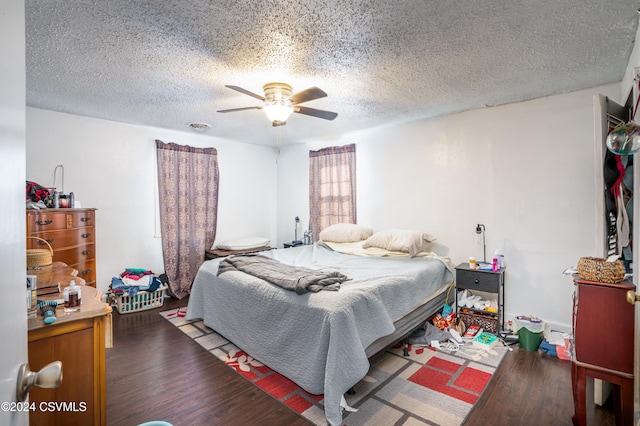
{"x": 277, "y": 112}
{"x": 278, "y": 103}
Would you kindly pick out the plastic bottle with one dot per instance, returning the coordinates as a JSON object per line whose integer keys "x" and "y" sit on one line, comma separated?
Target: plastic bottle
{"x": 72, "y": 297}
{"x": 495, "y": 267}
{"x": 72, "y": 200}
{"x": 472, "y": 263}
{"x": 32, "y": 295}
{"x": 500, "y": 258}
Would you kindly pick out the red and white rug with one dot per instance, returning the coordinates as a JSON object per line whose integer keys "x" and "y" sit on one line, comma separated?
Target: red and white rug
{"x": 433, "y": 387}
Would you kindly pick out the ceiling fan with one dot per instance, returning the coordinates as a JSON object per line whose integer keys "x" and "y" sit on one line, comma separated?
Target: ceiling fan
{"x": 279, "y": 102}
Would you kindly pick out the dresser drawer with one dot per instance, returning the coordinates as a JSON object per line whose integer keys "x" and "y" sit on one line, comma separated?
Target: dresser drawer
{"x": 45, "y": 221}
{"x": 51, "y": 220}
{"x": 75, "y": 255}
{"x": 80, "y": 219}
{"x": 601, "y": 309}
{"x": 478, "y": 280}
{"x": 87, "y": 271}
{"x": 63, "y": 238}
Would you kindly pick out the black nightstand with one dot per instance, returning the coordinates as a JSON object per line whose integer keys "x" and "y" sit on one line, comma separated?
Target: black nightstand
{"x": 485, "y": 281}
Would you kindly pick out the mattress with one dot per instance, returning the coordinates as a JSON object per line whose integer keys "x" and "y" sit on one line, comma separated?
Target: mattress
{"x": 322, "y": 340}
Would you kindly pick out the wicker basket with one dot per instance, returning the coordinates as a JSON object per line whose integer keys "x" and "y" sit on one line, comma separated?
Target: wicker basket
{"x": 140, "y": 302}
{"x": 39, "y": 257}
{"x": 600, "y": 271}
{"x": 486, "y": 322}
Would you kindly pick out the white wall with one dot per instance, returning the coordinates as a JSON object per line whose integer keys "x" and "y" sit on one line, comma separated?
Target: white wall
{"x": 111, "y": 166}
{"x": 524, "y": 170}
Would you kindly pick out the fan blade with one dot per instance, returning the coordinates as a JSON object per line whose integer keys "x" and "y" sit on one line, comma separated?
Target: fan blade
{"x": 246, "y": 92}
{"x": 327, "y": 115}
{"x": 308, "y": 95}
{"x": 239, "y": 109}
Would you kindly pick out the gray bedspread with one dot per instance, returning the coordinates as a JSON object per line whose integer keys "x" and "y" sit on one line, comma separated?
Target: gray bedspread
{"x": 289, "y": 277}
{"x": 318, "y": 340}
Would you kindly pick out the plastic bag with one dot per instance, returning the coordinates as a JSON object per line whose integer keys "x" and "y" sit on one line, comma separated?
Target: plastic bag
{"x": 530, "y": 322}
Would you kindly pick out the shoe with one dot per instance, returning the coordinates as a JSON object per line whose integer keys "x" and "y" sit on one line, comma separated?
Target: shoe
{"x": 462, "y": 301}
{"x": 481, "y": 304}
{"x": 471, "y": 301}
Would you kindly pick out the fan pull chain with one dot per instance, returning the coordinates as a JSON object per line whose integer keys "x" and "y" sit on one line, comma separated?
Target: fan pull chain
{"x": 277, "y": 143}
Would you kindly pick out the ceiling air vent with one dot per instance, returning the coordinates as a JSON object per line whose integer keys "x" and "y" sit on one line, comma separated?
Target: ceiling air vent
{"x": 200, "y": 127}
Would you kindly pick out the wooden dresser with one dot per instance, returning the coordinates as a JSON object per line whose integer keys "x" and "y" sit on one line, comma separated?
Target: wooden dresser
{"x": 71, "y": 233}
{"x": 77, "y": 339}
{"x": 603, "y": 330}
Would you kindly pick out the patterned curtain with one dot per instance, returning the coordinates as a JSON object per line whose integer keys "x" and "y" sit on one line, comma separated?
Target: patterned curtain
{"x": 332, "y": 187}
{"x": 188, "y": 195}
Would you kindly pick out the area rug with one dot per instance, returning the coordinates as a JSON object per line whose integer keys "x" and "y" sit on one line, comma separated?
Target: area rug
{"x": 433, "y": 387}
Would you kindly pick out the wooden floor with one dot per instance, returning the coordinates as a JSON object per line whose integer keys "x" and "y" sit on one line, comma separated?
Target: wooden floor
{"x": 155, "y": 372}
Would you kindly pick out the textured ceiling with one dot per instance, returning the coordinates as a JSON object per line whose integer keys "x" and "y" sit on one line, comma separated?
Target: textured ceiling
{"x": 165, "y": 63}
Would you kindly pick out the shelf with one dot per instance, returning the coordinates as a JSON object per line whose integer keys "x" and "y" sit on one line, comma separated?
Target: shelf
{"x": 480, "y": 312}
{"x": 484, "y": 282}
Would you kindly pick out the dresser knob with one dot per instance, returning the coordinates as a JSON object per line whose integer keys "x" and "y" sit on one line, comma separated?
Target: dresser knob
{"x": 632, "y": 298}
{"x": 85, "y": 235}
{"x": 477, "y": 281}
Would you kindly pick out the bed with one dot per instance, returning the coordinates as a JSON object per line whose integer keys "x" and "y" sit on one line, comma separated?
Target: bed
{"x": 322, "y": 340}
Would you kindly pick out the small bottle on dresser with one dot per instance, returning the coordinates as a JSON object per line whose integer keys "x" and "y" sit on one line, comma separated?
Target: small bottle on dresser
{"x": 72, "y": 297}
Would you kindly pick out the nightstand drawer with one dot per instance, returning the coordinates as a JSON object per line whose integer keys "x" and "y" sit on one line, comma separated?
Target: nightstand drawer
{"x": 478, "y": 280}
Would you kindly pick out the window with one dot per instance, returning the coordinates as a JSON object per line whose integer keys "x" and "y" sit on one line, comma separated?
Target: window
{"x": 332, "y": 187}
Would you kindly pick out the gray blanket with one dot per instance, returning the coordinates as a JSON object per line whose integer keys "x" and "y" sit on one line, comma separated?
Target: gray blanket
{"x": 289, "y": 277}
{"x": 318, "y": 340}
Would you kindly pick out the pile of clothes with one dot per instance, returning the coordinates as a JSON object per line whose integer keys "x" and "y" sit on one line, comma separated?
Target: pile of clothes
{"x": 133, "y": 280}
{"x": 38, "y": 196}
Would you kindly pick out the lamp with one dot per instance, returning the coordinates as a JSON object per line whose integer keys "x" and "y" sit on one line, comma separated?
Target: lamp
{"x": 296, "y": 241}
{"x": 480, "y": 230}
{"x": 278, "y": 104}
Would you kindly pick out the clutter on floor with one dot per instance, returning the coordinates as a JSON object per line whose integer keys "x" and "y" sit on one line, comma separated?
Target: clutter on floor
{"x": 447, "y": 332}
{"x": 473, "y": 331}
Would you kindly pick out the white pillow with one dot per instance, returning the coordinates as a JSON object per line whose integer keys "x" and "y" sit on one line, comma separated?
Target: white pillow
{"x": 407, "y": 241}
{"x": 345, "y": 233}
{"x": 242, "y": 243}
